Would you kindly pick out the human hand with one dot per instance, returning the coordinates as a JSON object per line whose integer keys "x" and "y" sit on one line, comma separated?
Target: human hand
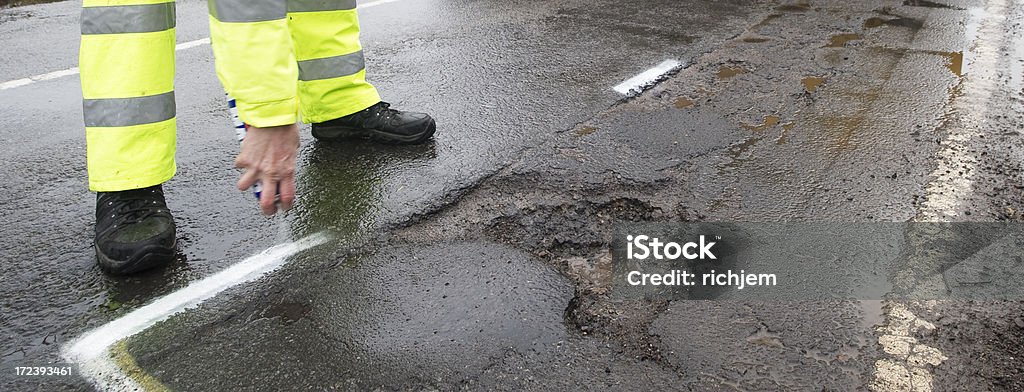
{"x": 268, "y": 155}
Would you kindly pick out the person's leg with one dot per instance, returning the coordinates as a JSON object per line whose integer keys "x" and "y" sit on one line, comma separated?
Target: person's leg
{"x": 332, "y": 76}
{"x": 333, "y": 92}
{"x": 255, "y": 60}
{"x": 127, "y": 72}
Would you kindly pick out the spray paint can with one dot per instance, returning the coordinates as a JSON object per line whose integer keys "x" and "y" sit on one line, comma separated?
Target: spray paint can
{"x": 240, "y": 130}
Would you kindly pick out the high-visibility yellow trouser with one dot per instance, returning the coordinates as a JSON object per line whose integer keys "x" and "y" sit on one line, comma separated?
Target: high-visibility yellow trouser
{"x": 269, "y": 64}
{"x": 263, "y": 47}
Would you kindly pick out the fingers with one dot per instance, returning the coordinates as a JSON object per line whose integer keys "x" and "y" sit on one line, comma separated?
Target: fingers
{"x": 242, "y": 161}
{"x": 268, "y": 156}
{"x": 248, "y": 179}
{"x": 278, "y": 187}
{"x": 268, "y": 197}
{"x": 286, "y": 189}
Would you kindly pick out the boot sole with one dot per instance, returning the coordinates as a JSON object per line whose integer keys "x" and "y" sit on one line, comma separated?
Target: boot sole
{"x": 343, "y": 133}
{"x": 154, "y": 256}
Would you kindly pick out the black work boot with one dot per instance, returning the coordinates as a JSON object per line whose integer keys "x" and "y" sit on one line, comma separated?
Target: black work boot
{"x": 379, "y": 123}
{"x": 134, "y": 230}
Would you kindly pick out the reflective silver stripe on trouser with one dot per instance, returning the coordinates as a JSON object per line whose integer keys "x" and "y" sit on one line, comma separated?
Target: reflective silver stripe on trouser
{"x": 244, "y": 11}
{"x": 320, "y": 5}
{"x": 144, "y": 18}
{"x": 331, "y": 67}
{"x": 125, "y": 112}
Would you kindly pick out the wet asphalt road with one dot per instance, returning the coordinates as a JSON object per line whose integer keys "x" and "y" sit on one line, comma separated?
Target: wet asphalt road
{"x": 463, "y": 263}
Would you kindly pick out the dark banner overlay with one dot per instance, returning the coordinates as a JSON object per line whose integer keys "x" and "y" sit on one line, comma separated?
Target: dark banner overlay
{"x": 810, "y": 261}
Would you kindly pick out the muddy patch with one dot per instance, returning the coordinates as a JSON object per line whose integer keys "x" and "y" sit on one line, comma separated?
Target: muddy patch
{"x": 811, "y": 83}
{"x": 929, "y": 4}
{"x": 909, "y": 23}
{"x": 683, "y": 103}
{"x": 730, "y": 71}
{"x": 840, "y": 40}
{"x": 799, "y": 6}
{"x": 768, "y": 122}
{"x": 584, "y": 131}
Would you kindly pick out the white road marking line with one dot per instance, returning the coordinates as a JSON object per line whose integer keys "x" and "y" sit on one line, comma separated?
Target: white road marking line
{"x": 647, "y": 78}
{"x": 946, "y": 193}
{"x": 910, "y": 363}
{"x": 192, "y": 44}
{"x": 91, "y": 351}
{"x": 16, "y": 83}
{"x": 106, "y": 375}
{"x": 38, "y": 78}
{"x": 182, "y": 46}
{"x": 376, "y": 3}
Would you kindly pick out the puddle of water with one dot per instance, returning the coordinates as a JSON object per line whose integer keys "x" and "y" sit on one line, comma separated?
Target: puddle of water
{"x": 754, "y": 38}
{"x": 840, "y": 40}
{"x": 930, "y": 4}
{"x": 899, "y": 21}
{"x": 811, "y": 83}
{"x": 873, "y": 313}
{"x": 798, "y": 6}
{"x": 873, "y": 22}
{"x": 727, "y": 72}
{"x": 956, "y": 62}
{"x": 769, "y": 121}
{"x": 764, "y": 337}
{"x": 683, "y": 103}
{"x": 585, "y": 131}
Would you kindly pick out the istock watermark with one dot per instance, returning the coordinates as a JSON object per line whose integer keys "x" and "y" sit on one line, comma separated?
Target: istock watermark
{"x": 647, "y": 247}
{"x": 802, "y": 261}
{"x": 642, "y": 247}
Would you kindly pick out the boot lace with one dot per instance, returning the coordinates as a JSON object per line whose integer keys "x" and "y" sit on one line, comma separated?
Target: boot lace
{"x": 382, "y": 110}
{"x": 132, "y": 208}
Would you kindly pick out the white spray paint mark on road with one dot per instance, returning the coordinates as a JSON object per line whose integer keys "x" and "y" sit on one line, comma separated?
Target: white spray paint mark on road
{"x": 91, "y": 351}
{"x": 647, "y": 78}
{"x": 182, "y": 46}
{"x": 106, "y": 375}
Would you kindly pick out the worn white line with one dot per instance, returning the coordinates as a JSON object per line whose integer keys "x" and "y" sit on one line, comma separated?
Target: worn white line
{"x": 182, "y": 46}
{"x": 192, "y": 44}
{"x": 909, "y": 364}
{"x": 74, "y": 70}
{"x": 376, "y": 3}
{"x": 16, "y": 83}
{"x": 38, "y": 78}
{"x": 947, "y": 192}
{"x": 647, "y": 78}
{"x": 91, "y": 351}
{"x": 56, "y": 74}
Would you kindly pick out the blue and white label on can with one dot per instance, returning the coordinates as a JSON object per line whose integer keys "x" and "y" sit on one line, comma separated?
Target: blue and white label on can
{"x": 240, "y": 130}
